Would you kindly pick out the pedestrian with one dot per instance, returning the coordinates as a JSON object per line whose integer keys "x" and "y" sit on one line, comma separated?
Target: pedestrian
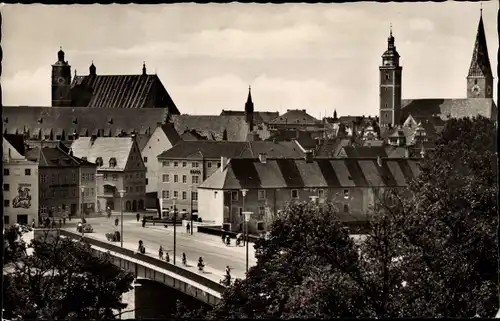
{"x": 138, "y": 216}
{"x": 60, "y": 223}
{"x": 33, "y": 224}
{"x": 167, "y": 257}
{"x": 64, "y": 221}
{"x": 160, "y": 252}
{"x": 144, "y": 221}
{"x": 188, "y": 227}
{"x": 47, "y": 222}
{"x": 223, "y": 238}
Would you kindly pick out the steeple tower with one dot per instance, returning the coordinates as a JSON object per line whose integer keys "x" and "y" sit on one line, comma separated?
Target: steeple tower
{"x": 249, "y": 109}
{"x": 480, "y": 77}
{"x": 390, "y": 85}
{"x": 61, "y": 82}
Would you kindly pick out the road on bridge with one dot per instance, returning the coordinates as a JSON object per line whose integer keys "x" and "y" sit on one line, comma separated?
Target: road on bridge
{"x": 215, "y": 254}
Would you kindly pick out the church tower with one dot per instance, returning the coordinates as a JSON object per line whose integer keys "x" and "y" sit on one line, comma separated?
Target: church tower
{"x": 249, "y": 109}
{"x": 61, "y": 82}
{"x": 480, "y": 77}
{"x": 390, "y": 85}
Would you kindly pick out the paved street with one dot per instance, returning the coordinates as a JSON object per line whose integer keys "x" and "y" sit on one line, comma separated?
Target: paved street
{"x": 215, "y": 254}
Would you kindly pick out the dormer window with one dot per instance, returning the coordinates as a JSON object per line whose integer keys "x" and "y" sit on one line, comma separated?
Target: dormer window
{"x": 112, "y": 162}
{"x": 110, "y": 121}
{"x": 75, "y": 120}
{"x": 40, "y": 120}
{"x": 98, "y": 161}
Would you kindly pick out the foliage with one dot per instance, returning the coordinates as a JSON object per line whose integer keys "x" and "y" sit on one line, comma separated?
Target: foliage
{"x": 14, "y": 246}
{"x": 431, "y": 250}
{"x": 64, "y": 279}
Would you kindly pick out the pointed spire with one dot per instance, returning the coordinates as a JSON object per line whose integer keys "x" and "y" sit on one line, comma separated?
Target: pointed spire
{"x": 480, "y": 63}
{"x": 144, "y": 68}
{"x": 60, "y": 54}
{"x": 92, "y": 69}
{"x": 335, "y": 114}
{"x": 249, "y": 98}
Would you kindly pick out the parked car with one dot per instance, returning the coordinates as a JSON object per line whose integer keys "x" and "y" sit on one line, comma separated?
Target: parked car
{"x": 84, "y": 227}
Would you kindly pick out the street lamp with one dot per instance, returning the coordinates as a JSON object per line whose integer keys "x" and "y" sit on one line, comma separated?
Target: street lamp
{"x": 82, "y": 189}
{"x": 175, "y": 228}
{"x": 122, "y": 192}
{"x": 247, "y": 219}
{"x": 244, "y": 193}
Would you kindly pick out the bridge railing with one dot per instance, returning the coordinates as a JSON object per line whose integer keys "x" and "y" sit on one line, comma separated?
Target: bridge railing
{"x": 195, "y": 277}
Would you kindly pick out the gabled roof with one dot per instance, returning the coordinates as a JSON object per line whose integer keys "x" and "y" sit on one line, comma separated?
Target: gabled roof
{"x": 449, "y": 108}
{"x": 212, "y": 127}
{"x": 171, "y": 133}
{"x": 480, "y": 63}
{"x": 332, "y": 147}
{"x": 217, "y": 149}
{"x": 303, "y": 137}
{"x": 364, "y": 151}
{"x": 258, "y": 116}
{"x": 106, "y": 148}
{"x": 320, "y": 173}
{"x": 71, "y": 119}
{"x": 192, "y": 135}
{"x": 295, "y": 116}
{"x": 121, "y": 91}
{"x": 51, "y": 157}
{"x": 17, "y": 142}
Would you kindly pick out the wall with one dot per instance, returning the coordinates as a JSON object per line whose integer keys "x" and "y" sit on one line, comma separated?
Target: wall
{"x": 358, "y": 202}
{"x": 59, "y": 193}
{"x": 157, "y": 144}
{"x": 22, "y": 194}
{"x": 105, "y": 198}
{"x": 211, "y": 207}
{"x": 135, "y": 190}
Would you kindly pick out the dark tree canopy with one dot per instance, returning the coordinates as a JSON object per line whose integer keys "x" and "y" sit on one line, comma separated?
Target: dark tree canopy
{"x": 431, "y": 251}
{"x": 64, "y": 280}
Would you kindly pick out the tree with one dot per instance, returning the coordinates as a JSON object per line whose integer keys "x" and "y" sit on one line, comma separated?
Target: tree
{"x": 14, "y": 246}
{"x": 64, "y": 279}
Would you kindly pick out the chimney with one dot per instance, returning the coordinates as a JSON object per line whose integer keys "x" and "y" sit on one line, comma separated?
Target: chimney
{"x": 309, "y": 156}
{"x": 263, "y": 158}
{"x": 407, "y": 152}
{"x": 223, "y": 163}
{"x": 379, "y": 161}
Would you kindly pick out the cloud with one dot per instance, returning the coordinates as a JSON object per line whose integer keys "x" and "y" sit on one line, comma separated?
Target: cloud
{"x": 420, "y": 24}
{"x": 269, "y": 94}
{"x": 30, "y": 88}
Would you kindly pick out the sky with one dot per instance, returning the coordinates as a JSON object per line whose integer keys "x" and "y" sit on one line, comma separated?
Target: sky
{"x": 317, "y": 57}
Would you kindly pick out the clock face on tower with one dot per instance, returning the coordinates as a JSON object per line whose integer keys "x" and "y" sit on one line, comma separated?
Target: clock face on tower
{"x": 60, "y": 80}
{"x": 476, "y": 90}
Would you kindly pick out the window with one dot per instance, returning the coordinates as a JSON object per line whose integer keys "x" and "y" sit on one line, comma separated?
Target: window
{"x": 137, "y": 189}
{"x": 262, "y": 210}
{"x": 145, "y": 159}
{"x": 184, "y": 179}
{"x": 165, "y": 163}
{"x": 6, "y": 203}
{"x": 262, "y": 195}
{"x": 295, "y": 193}
{"x": 53, "y": 179}
{"x": 165, "y": 178}
{"x": 138, "y": 175}
{"x": 209, "y": 164}
{"x": 184, "y": 164}
{"x": 218, "y": 164}
{"x": 92, "y": 177}
{"x": 346, "y": 193}
{"x": 176, "y": 164}
{"x": 27, "y": 172}
{"x": 475, "y": 81}
{"x": 321, "y": 193}
{"x": 184, "y": 195}
{"x": 195, "y": 179}
{"x": 74, "y": 176}
{"x": 6, "y": 187}
{"x": 105, "y": 176}
{"x": 194, "y": 196}
{"x": 234, "y": 196}
{"x": 165, "y": 194}
{"x": 92, "y": 191}
{"x": 6, "y": 172}
{"x": 146, "y": 181}
{"x": 195, "y": 164}
{"x": 114, "y": 176}
{"x": 43, "y": 209}
{"x": 43, "y": 178}
{"x": 387, "y": 76}
{"x": 176, "y": 178}
{"x": 346, "y": 208}
{"x": 215, "y": 194}
{"x": 6, "y": 219}
{"x": 176, "y": 194}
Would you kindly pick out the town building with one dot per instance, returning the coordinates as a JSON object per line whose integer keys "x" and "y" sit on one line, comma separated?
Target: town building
{"x": 20, "y": 183}
{"x": 265, "y": 186}
{"x": 120, "y": 167}
{"x": 58, "y": 174}
{"x": 185, "y": 166}
{"x": 163, "y": 138}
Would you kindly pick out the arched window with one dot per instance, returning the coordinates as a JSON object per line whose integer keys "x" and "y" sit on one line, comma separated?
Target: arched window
{"x": 112, "y": 162}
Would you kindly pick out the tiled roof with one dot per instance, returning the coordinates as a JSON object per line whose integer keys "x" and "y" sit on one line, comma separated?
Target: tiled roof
{"x": 171, "y": 133}
{"x": 124, "y": 91}
{"x": 396, "y": 151}
{"x": 258, "y": 116}
{"x": 106, "y": 148}
{"x": 212, "y": 127}
{"x": 51, "y": 157}
{"x": 452, "y": 108}
{"x": 70, "y": 119}
{"x": 295, "y": 116}
{"x": 321, "y": 173}
{"x": 304, "y": 138}
{"x": 364, "y": 151}
{"x": 217, "y": 149}
{"x": 17, "y": 141}
{"x": 191, "y": 135}
{"x": 332, "y": 147}
{"x": 480, "y": 63}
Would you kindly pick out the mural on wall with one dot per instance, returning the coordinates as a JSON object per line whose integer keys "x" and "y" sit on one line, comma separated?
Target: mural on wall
{"x": 23, "y": 198}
